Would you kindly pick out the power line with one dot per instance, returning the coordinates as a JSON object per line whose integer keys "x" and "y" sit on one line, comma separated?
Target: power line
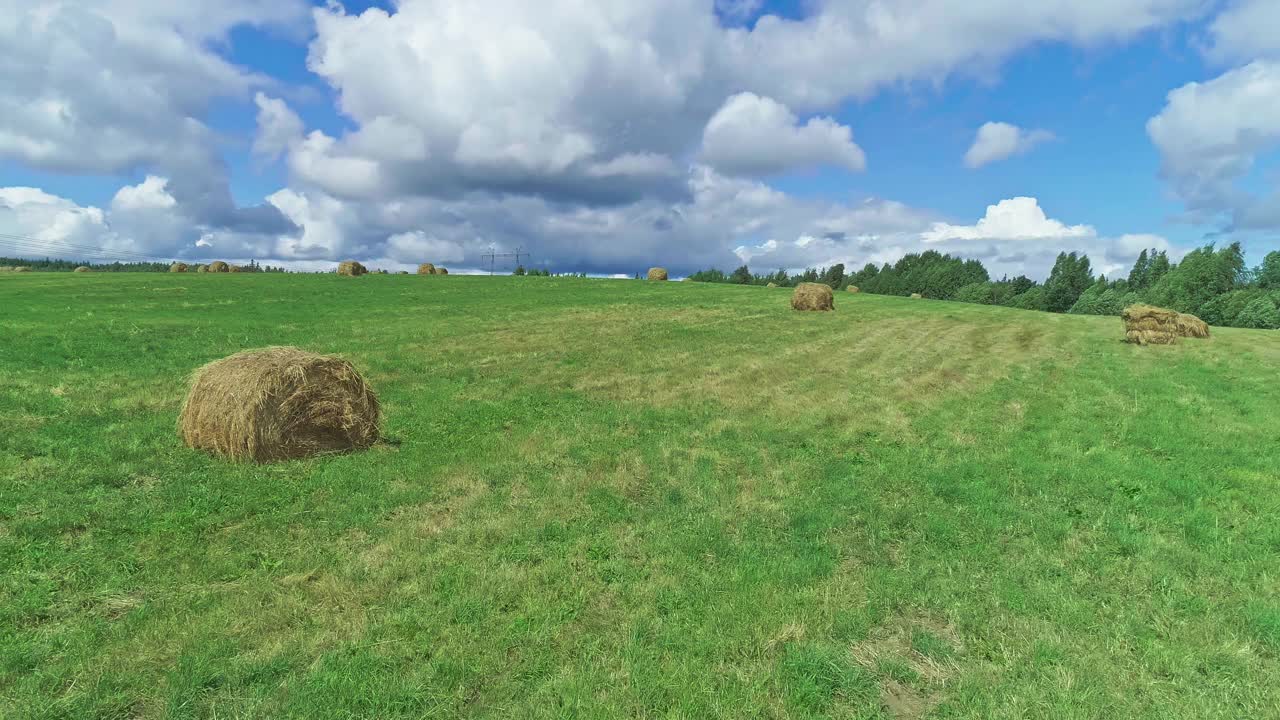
{"x": 37, "y": 253}
{"x": 493, "y": 255}
{"x": 26, "y": 245}
{"x": 70, "y": 246}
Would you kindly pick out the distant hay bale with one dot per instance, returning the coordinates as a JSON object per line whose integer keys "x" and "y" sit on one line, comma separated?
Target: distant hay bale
{"x": 202, "y": 268}
{"x": 426, "y": 269}
{"x": 813, "y": 296}
{"x": 278, "y": 403}
{"x": 442, "y": 271}
{"x": 351, "y": 268}
{"x": 772, "y": 285}
{"x": 6, "y": 268}
{"x": 916, "y": 296}
{"x": 659, "y": 274}
{"x": 22, "y": 268}
{"x": 178, "y": 267}
{"x": 82, "y": 268}
{"x": 403, "y": 272}
{"x": 853, "y": 289}
{"x": 235, "y": 268}
{"x": 1150, "y": 325}
{"x": 217, "y": 266}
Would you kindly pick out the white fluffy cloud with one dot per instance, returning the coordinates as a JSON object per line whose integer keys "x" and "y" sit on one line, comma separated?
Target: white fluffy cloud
{"x": 107, "y": 85}
{"x": 591, "y": 101}
{"x": 997, "y": 141}
{"x": 48, "y": 222}
{"x": 279, "y": 127}
{"x": 141, "y": 223}
{"x": 855, "y": 47}
{"x": 150, "y": 194}
{"x": 1013, "y": 237}
{"x": 1016, "y": 233}
{"x": 556, "y": 97}
{"x": 753, "y": 135}
{"x": 724, "y": 221}
{"x": 1211, "y": 134}
{"x": 113, "y": 86}
{"x": 1247, "y": 30}
{"x": 1017, "y": 218}
{"x": 411, "y": 248}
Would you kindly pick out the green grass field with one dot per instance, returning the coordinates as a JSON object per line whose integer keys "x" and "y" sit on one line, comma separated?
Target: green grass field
{"x": 615, "y": 499}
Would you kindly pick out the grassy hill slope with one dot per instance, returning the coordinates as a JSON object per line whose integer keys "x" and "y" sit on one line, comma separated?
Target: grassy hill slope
{"x": 623, "y": 499}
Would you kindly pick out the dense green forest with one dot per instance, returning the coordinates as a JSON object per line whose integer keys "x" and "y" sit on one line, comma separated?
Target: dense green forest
{"x": 1209, "y": 282}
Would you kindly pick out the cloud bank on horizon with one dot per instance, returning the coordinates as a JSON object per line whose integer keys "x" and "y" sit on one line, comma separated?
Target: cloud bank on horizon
{"x": 607, "y": 135}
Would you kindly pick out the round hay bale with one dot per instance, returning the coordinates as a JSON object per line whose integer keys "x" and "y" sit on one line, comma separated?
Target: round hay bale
{"x": 659, "y": 274}
{"x": 1191, "y": 326}
{"x": 813, "y": 296}
{"x": 351, "y": 268}
{"x": 6, "y": 268}
{"x": 772, "y": 285}
{"x": 22, "y": 268}
{"x": 202, "y": 268}
{"x": 442, "y": 271}
{"x": 178, "y": 267}
{"x": 426, "y": 269}
{"x": 217, "y": 266}
{"x": 235, "y": 268}
{"x": 853, "y": 289}
{"x": 278, "y": 403}
{"x": 916, "y": 296}
{"x": 82, "y": 268}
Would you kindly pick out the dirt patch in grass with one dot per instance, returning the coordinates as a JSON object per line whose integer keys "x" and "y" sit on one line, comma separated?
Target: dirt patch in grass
{"x": 914, "y": 657}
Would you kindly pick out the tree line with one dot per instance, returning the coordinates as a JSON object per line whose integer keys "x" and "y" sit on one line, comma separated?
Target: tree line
{"x": 52, "y": 265}
{"x": 1212, "y": 283}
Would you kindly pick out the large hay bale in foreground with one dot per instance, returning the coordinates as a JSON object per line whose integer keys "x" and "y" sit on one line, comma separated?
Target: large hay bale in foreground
{"x": 82, "y": 268}
{"x": 813, "y": 296}
{"x": 853, "y": 289}
{"x": 659, "y": 274}
{"x": 178, "y": 267}
{"x": 1150, "y": 325}
{"x": 426, "y": 269}
{"x": 218, "y": 266}
{"x": 278, "y": 403}
{"x": 442, "y": 271}
{"x": 351, "y": 268}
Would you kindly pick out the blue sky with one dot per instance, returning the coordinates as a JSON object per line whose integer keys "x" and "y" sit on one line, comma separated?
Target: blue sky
{"x": 1094, "y": 88}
